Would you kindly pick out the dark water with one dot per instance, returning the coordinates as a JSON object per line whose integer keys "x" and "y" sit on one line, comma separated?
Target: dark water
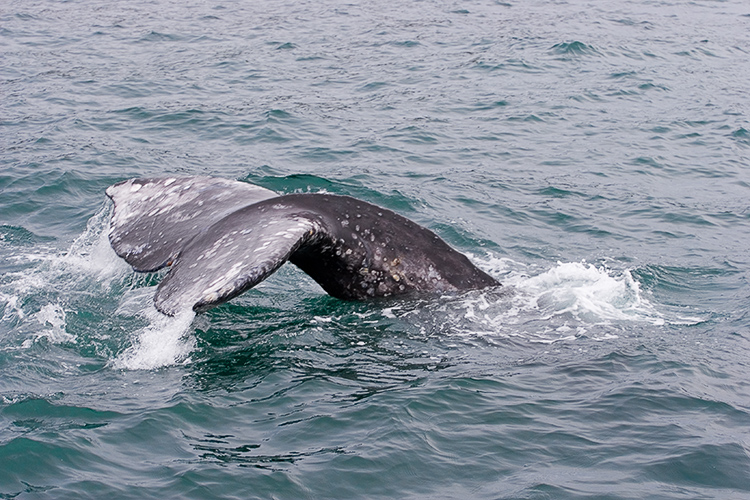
{"x": 594, "y": 156}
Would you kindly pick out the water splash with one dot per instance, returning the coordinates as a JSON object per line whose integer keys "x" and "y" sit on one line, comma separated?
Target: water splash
{"x": 52, "y": 317}
{"x": 92, "y": 254}
{"x": 565, "y": 302}
{"x": 45, "y": 272}
{"x": 49, "y": 285}
{"x": 163, "y": 342}
{"x": 568, "y": 301}
{"x": 588, "y": 293}
{"x": 44, "y": 284}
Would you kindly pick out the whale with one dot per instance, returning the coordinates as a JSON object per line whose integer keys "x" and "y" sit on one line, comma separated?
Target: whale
{"x": 221, "y": 237}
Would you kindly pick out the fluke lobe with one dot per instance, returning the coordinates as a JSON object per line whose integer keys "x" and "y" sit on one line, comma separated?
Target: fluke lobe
{"x": 222, "y": 237}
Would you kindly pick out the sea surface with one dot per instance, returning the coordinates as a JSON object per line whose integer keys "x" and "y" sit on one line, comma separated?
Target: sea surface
{"x": 593, "y": 156}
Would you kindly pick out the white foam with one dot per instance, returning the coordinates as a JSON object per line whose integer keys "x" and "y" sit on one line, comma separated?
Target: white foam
{"x": 90, "y": 255}
{"x": 588, "y": 293}
{"x": 89, "y": 268}
{"x": 11, "y": 307}
{"x": 563, "y": 303}
{"x": 53, "y": 318}
{"x": 52, "y": 315}
{"x": 163, "y": 342}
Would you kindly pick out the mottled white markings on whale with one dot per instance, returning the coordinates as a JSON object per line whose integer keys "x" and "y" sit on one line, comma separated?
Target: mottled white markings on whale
{"x": 223, "y": 237}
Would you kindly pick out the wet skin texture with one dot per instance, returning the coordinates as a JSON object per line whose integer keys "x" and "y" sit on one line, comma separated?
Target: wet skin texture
{"x": 220, "y": 245}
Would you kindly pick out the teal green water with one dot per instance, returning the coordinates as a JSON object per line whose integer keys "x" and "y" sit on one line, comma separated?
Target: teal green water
{"x": 594, "y": 157}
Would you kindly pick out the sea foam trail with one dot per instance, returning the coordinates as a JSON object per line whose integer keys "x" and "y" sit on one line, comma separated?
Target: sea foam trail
{"x": 573, "y": 299}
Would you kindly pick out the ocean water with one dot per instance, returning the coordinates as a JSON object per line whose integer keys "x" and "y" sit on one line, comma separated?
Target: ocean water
{"x": 593, "y": 156}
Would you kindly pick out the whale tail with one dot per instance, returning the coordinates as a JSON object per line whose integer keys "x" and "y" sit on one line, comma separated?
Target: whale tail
{"x": 154, "y": 219}
{"x": 227, "y": 258}
{"x": 223, "y": 237}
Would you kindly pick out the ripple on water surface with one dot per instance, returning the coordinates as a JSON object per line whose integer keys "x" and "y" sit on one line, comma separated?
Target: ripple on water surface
{"x": 592, "y": 159}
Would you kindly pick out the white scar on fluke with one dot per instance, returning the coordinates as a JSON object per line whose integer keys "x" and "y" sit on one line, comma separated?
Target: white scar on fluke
{"x": 222, "y": 237}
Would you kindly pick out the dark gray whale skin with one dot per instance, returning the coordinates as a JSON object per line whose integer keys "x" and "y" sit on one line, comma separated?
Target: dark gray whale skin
{"x": 223, "y": 237}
